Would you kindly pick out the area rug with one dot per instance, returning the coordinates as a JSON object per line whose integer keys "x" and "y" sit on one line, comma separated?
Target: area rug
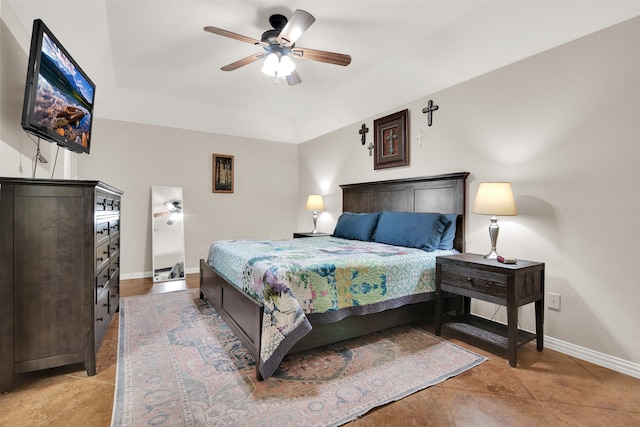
{"x": 180, "y": 365}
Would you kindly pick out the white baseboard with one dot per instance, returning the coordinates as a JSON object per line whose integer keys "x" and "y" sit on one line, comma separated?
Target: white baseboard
{"x": 129, "y": 276}
{"x": 611, "y": 362}
{"x": 145, "y": 274}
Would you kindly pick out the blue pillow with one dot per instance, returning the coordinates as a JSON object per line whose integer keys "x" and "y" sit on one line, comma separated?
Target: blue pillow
{"x": 413, "y": 230}
{"x": 356, "y": 226}
{"x": 449, "y": 233}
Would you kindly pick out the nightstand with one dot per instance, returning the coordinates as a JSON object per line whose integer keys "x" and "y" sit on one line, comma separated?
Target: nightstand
{"x": 511, "y": 285}
{"x": 299, "y": 235}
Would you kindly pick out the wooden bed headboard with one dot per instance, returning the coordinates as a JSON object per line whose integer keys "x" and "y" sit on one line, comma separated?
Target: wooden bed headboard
{"x": 438, "y": 193}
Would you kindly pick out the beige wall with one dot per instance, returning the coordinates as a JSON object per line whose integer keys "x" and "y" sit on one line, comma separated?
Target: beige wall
{"x": 563, "y": 127}
{"x": 135, "y": 157}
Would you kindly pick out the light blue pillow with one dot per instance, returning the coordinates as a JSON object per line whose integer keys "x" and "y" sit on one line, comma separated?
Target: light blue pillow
{"x": 449, "y": 233}
{"x": 413, "y": 230}
{"x": 356, "y": 226}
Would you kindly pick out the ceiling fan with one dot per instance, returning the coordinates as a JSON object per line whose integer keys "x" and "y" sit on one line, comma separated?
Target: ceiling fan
{"x": 279, "y": 45}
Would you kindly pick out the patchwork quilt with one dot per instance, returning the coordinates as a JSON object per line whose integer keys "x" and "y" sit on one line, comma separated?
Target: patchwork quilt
{"x": 321, "y": 278}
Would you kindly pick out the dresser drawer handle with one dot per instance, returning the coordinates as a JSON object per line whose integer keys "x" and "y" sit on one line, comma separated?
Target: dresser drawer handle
{"x": 469, "y": 279}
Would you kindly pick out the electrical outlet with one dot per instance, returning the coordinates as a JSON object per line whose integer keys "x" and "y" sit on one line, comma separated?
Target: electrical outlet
{"x": 553, "y": 301}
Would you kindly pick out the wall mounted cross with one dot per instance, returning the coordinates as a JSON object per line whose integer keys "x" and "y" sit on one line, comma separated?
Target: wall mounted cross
{"x": 429, "y": 109}
{"x": 363, "y": 131}
{"x": 391, "y": 138}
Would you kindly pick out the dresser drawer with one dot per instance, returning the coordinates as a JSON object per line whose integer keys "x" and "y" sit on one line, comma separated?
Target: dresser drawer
{"x": 101, "y": 203}
{"x": 102, "y": 231}
{"x": 102, "y": 255}
{"x": 102, "y": 307}
{"x": 114, "y": 265}
{"x": 114, "y": 294}
{"x": 473, "y": 282}
{"x": 102, "y": 280}
{"x": 114, "y": 226}
{"x": 114, "y": 245}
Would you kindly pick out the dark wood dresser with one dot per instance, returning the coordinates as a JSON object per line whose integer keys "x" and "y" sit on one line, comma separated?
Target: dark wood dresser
{"x": 59, "y": 272}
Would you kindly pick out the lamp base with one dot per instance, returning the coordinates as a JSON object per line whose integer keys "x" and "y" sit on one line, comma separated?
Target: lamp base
{"x": 493, "y": 234}
{"x": 315, "y": 222}
{"x": 491, "y": 255}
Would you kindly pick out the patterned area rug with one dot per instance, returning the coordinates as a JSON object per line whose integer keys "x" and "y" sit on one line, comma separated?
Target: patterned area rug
{"x": 179, "y": 364}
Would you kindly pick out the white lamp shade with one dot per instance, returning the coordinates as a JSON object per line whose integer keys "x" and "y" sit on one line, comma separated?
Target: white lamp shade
{"x": 494, "y": 198}
{"x": 277, "y": 66}
{"x": 270, "y": 64}
{"x": 315, "y": 203}
{"x": 286, "y": 66}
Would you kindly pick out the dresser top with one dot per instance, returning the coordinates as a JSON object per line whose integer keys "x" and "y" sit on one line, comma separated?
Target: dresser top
{"x": 58, "y": 182}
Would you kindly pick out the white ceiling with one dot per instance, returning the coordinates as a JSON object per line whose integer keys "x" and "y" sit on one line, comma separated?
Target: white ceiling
{"x": 153, "y": 63}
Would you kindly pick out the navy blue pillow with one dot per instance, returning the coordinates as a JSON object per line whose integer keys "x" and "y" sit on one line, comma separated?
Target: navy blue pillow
{"x": 449, "y": 233}
{"x": 356, "y": 226}
{"x": 413, "y": 230}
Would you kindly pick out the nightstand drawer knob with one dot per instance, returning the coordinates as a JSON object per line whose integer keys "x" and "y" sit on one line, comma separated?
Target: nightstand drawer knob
{"x": 469, "y": 279}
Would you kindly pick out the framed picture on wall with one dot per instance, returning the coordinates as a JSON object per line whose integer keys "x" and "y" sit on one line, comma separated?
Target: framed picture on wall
{"x": 390, "y": 139}
{"x": 222, "y": 173}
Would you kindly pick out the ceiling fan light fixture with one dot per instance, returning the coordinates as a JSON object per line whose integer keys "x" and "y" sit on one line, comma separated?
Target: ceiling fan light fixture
{"x": 277, "y": 66}
{"x": 270, "y": 64}
{"x": 286, "y": 66}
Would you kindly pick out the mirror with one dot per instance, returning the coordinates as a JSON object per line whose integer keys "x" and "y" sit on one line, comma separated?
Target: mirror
{"x": 167, "y": 237}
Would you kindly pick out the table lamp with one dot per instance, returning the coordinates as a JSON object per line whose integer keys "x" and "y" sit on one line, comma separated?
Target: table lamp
{"x": 315, "y": 204}
{"x": 494, "y": 198}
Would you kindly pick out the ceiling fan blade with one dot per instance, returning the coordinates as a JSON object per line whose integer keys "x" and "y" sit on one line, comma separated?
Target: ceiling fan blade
{"x": 221, "y": 32}
{"x": 294, "y": 78}
{"x": 322, "y": 56}
{"x": 244, "y": 61}
{"x": 298, "y": 24}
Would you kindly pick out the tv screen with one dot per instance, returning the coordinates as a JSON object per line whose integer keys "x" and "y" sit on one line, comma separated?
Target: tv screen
{"x": 58, "y": 100}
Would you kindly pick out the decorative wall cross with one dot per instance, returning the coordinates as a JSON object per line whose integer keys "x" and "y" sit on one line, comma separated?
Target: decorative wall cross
{"x": 370, "y": 148}
{"x": 363, "y": 131}
{"x": 391, "y": 138}
{"x": 429, "y": 109}
{"x": 420, "y": 137}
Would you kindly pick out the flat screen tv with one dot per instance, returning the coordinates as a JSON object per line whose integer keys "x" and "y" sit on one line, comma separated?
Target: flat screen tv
{"x": 58, "y": 99}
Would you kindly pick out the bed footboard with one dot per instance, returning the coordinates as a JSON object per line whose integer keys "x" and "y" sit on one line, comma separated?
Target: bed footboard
{"x": 240, "y": 312}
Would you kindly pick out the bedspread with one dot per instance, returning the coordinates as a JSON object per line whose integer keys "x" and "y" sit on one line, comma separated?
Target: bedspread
{"x": 322, "y": 278}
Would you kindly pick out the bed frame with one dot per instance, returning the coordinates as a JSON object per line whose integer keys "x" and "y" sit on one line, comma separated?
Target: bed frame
{"x": 243, "y": 314}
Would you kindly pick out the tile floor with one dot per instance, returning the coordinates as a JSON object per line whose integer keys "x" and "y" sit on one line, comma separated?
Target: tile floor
{"x": 546, "y": 389}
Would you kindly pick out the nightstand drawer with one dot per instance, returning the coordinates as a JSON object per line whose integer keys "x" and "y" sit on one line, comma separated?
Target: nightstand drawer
{"x": 474, "y": 283}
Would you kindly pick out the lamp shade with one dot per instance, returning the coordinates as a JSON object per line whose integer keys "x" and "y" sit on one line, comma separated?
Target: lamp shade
{"x": 277, "y": 65}
{"x": 494, "y": 198}
{"x": 315, "y": 203}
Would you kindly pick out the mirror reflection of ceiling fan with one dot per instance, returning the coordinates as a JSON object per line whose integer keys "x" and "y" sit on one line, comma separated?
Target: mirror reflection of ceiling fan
{"x": 174, "y": 211}
{"x": 279, "y": 46}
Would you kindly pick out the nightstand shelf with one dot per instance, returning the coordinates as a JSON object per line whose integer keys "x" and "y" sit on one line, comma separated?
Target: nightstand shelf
{"x": 510, "y": 285}
{"x": 486, "y": 330}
